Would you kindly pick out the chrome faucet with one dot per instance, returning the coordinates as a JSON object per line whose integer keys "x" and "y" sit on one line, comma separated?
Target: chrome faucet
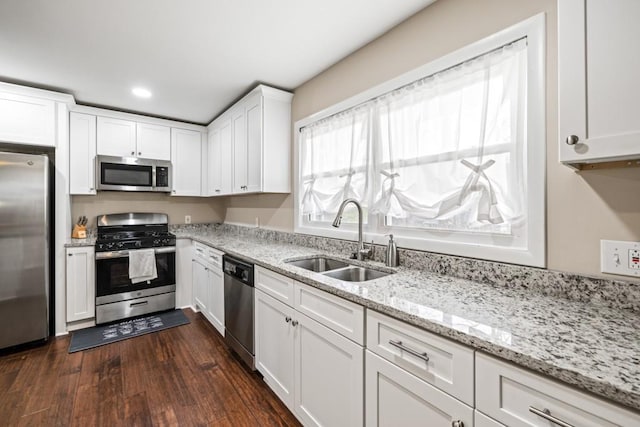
{"x": 361, "y": 253}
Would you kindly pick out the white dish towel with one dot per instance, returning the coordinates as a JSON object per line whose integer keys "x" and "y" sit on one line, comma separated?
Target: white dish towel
{"x": 142, "y": 265}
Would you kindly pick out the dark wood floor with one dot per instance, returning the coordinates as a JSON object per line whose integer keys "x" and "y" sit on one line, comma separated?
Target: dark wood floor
{"x": 182, "y": 376}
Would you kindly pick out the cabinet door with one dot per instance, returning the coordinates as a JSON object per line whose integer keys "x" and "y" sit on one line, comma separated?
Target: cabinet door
{"x": 238, "y": 123}
{"x": 329, "y": 376}
{"x": 274, "y": 345}
{"x": 116, "y": 137}
{"x": 82, "y": 153}
{"x": 215, "y": 293}
{"x": 481, "y": 420}
{"x": 199, "y": 286}
{"x": 215, "y": 162}
{"x": 27, "y": 120}
{"x": 81, "y": 288}
{"x": 598, "y": 91}
{"x": 253, "y": 114}
{"x": 186, "y": 152}
{"x": 153, "y": 141}
{"x": 226, "y": 157}
{"x": 397, "y": 398}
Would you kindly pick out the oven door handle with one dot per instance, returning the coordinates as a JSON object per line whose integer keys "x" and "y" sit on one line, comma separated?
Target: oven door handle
{"x": 125, "y": 254}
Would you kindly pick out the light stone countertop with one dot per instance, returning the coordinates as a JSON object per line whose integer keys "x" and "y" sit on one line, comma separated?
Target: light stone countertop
{"x": 592, "y": 347}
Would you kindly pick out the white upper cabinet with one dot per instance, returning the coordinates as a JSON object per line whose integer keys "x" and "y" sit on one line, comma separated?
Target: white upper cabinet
{"x": 82, "y": 153}
{"x": 598, "y": 91}
{"x": 27, "y": 120}
{"x": 252, "y": 146}
{"x": 126, "y": 138}
{"x": 116, "y": 137}
{"x": 186, "y": 154}
{"x": 153, "y": 141}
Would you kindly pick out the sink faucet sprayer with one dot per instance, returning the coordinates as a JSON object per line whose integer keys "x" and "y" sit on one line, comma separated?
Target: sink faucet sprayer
{"x": 361, "y": 253}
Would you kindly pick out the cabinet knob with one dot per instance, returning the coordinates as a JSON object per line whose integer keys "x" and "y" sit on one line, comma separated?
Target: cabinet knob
{"x": 69, "y": 254}
{"x": 294, "y": 323}
{"x": 572, "y": 140}
{"x": 133, "y": 153}
{"x": 139, "y": 153}
{"x": 287, "y": 319}
{"x": 457, "y": 423}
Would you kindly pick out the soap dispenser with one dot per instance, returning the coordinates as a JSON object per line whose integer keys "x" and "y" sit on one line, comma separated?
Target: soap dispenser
{"x": 391, "y": 259}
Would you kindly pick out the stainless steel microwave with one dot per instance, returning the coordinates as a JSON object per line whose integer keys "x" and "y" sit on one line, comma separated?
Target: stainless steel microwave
{"x": 132, "y": 174}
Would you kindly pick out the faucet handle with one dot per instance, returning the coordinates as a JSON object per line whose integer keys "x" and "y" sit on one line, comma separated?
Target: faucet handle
{"x": 367, "y": 253}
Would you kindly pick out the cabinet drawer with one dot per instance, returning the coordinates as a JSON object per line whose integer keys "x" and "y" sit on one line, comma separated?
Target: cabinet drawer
{"x": 446, "y": 365}
{"x": 200, "y": 250}
{"x": 511, "y": 395}
{"x": 394, "y": 397}
{"x": 344, "y": 317}
{"x": 214, "y": 257}
{"x": 274, "y": 284}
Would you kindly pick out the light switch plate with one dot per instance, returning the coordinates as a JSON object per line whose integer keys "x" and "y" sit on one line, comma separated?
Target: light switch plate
{"x": 619, "y": 257}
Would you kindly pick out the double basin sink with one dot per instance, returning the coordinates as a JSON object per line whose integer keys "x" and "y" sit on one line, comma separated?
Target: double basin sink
{"x": 338, "y": 269}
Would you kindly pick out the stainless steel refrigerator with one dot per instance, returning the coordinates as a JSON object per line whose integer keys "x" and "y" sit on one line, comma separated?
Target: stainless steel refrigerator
{"x": 24, "y": 248}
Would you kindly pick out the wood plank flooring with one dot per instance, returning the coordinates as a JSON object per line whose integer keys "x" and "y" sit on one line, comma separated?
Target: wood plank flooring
{"x": 182, "y": 376}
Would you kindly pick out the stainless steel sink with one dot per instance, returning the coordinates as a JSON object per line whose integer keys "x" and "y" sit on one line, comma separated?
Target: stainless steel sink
{"x": 318, "y": 264}
{"x": 356, "y": 274}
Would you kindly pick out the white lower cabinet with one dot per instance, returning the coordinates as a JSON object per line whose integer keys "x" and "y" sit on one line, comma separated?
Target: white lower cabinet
{"x": 398, "y": 398}
{"x": 317, "y": 372}
{"x": 199, "y": 285}
{"x": 275, "y": 345}
{"x": 328, "y": 376}
{"x": 208, "y": 284}
{"x": 519, "y": 398}
{"x": 81, "y": 283}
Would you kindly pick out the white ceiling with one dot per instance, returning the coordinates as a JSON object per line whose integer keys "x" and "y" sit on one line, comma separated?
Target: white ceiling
{"x": 196, "y": 56}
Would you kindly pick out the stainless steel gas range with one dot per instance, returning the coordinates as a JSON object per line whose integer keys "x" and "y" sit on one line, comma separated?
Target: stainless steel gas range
{"x": 119, "y": 235}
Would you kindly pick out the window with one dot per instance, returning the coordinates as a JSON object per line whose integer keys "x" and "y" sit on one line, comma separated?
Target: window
{"x": 449, "y": 158}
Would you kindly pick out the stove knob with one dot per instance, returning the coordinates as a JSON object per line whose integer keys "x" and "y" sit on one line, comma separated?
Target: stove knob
{"x": 120, "y": 245}
{"x": 138, "y": 244}
{"x": 156, "y": 242}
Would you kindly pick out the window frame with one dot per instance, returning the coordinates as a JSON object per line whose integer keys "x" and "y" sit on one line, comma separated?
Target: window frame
{"x": 533, "y": 252}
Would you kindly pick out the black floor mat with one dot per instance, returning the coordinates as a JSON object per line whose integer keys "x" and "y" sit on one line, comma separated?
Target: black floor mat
{"x": 118, "y": 331}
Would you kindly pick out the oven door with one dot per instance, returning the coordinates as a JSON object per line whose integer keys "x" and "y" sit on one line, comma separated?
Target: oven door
{"x": 112, "y": 275}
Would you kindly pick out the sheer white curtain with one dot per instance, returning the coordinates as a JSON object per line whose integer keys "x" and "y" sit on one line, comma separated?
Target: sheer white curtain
{"x": 335, "y": 161}
{"x": 448, "y": 147}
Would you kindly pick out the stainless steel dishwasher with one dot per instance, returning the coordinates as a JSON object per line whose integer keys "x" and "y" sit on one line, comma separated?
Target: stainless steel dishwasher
{"x": 238, "y": 307}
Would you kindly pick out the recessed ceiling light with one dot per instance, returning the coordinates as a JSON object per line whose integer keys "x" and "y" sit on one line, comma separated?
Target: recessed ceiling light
{"x": 141, "y": 92}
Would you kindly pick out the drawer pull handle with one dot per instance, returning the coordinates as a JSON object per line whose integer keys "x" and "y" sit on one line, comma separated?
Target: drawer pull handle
{"x": 287, "y": 319}
{"x": 398, "y": 344}
{"x": 457, "y": 423}
{"x": 135, "y": 304}
{"x": 294, "y": 323}
{"x": 546, "y": 414}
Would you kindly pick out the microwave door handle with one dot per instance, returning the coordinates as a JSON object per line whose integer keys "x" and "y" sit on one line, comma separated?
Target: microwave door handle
{"x": 153, "y": 177}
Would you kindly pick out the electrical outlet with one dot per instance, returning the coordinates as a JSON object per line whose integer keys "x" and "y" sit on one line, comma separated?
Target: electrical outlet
{"x": 187, "y": 219}
{"x": 634, "y": 259}
{"x": 620, "y": 257}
